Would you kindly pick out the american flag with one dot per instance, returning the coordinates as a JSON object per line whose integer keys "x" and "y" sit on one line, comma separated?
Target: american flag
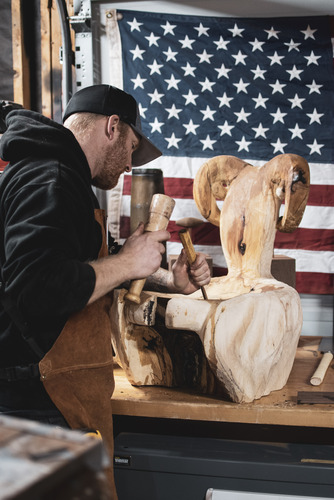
{"x": 252, "y": 88}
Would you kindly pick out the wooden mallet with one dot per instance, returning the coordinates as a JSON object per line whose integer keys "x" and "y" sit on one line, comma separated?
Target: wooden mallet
{"x": 161, "y": 209}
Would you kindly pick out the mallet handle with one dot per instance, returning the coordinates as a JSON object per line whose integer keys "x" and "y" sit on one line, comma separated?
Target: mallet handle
{"x": 161, "y": 209}
{"x": 190, "y": 252}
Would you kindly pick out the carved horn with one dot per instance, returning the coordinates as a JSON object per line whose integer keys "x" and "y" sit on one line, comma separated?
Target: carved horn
{"x": 294, "y": 187}
{"x": 211, "y": 183}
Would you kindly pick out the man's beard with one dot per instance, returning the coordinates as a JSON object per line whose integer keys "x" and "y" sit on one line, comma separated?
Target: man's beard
{"x": 111, "y": 164}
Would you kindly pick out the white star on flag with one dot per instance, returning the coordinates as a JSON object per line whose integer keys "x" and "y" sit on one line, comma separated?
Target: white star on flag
{"x": 155, "y": 67}
{"x": 243, "y": 144}
{"x": 223, "y": 71}
{"x": 172, "y": 141}
{"x": 153, "y": 40}
{"x": 190, "y": 127}
{"x": 260, "y": 131}
{"x": 241, "y": 86}
{"x": 173, "y": 112}
{"x": 272, "y": 33}
{"x": 315, "y": 116}
{"x": 236, "y": 31}
{"x": 156, "y": 125}
{"x": 258, "y": 72}
{"x": 308, "y": 33}
{"x": 279, "y": 146}
{"x": 277, "y": 87}
{"x": 134, "y": 24}
{"x": 314, "y": 87}
{"x": 189, "y": 70}
{"x": 315, "y": 147}
{"x": 207, "y": 143}
{"x": 168, "y": 28}
{"x": 225, "y": 128}
{"x": 221, "y": 43}
{"x": 242, "y": 115}
{"x": 137, "y": 53}
{"x": 170, "y": 54}
{"x": 138, "y": 81}
{"x": 155, "y": 96}
{"x": 172, "y": 82}
{"x": 190, "y": 98}
{"x": 312, "y": 59}
{"x": 207, "y": 113}
{"x": 202, "y": 30}
{"x": 294, "y": 72}
{"x": 224, "y": 100}
{"x": 278, "y": 116}
{"x": 297, "y": 131}
{"x": 260, "y": 101}
{"x": 187, "y": 43}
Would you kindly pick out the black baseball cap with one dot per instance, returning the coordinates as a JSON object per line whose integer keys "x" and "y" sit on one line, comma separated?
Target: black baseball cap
{"x": 108, "y": 100}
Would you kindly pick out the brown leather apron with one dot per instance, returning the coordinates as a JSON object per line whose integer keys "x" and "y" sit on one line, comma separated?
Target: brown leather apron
{"x": 77, "y": 372}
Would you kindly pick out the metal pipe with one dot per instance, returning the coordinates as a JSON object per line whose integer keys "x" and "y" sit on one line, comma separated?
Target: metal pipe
{"x": 67, "y": 89}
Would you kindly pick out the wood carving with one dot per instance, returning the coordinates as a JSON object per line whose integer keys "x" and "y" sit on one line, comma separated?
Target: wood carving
{"x": 250, "y": 326}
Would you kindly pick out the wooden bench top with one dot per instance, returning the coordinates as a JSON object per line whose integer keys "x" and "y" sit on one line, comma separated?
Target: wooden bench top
{"x": 278, "y": 408}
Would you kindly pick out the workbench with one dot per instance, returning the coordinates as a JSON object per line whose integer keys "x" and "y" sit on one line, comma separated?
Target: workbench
{"x": 282, "y": 415}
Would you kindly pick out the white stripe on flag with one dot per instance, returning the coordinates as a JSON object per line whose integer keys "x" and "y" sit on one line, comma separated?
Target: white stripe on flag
{"x": 183, "y": 167}
{"x": 313, "y": 218}
{"x": 307, "y": 261}
{"x": 310, "y": 261}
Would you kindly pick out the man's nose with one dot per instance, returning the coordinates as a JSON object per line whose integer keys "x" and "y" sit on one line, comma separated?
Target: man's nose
{"x": 129, "y": 166}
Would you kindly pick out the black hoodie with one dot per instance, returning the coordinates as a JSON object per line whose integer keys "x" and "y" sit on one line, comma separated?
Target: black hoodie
{"x": 48, "y": 233}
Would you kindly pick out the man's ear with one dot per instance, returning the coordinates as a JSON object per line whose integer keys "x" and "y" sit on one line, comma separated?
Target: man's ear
{"x": 112, "y": 123}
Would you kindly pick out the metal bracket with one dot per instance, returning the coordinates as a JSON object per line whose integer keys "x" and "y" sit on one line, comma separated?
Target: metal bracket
{"x": 81, "y": 24}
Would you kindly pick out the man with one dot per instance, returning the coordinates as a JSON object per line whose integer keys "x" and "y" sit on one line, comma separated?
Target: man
{"x": 50, "y": 240}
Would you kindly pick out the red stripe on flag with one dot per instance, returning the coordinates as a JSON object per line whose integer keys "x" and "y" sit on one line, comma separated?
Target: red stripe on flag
{"x": 317, "y": 283}
{"x": 174, "y": 187}
{"x": 306, "y": 239}
{"x": 2, "y": 165}
{"x": 127, "y": 185}
{"x": 321, "y": 195}
{"x": 179, "y": 187}
{"x": 124, "y": 230}
{"x": 219, "y": 271}
{"x": 205, "y": 234}
{"x": 309, "y": 283}
{"x": 208, "y": 234}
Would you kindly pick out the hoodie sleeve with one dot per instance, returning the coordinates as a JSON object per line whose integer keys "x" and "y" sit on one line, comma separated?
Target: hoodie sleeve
{"x": 50, "y": 235}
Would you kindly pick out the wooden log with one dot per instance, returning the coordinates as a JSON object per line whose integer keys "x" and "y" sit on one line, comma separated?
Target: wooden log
{"x": 139, "y": 348}
{"x": 249, "y": 341}
{"x": 151, "y": 354}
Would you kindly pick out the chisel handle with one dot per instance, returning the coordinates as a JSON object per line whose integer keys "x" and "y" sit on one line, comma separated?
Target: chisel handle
{"x": 320, "y": 372}
{"x": 190, "y": 252}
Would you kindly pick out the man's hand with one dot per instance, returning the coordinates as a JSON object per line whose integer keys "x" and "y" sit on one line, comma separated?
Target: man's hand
{"x": 189, "y": 278}
{"x": 139, "y": 257}
{"x": 142, "y": 252}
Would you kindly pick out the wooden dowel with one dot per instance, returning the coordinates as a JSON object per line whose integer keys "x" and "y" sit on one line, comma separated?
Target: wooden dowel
{"x": 320, "y": 372}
